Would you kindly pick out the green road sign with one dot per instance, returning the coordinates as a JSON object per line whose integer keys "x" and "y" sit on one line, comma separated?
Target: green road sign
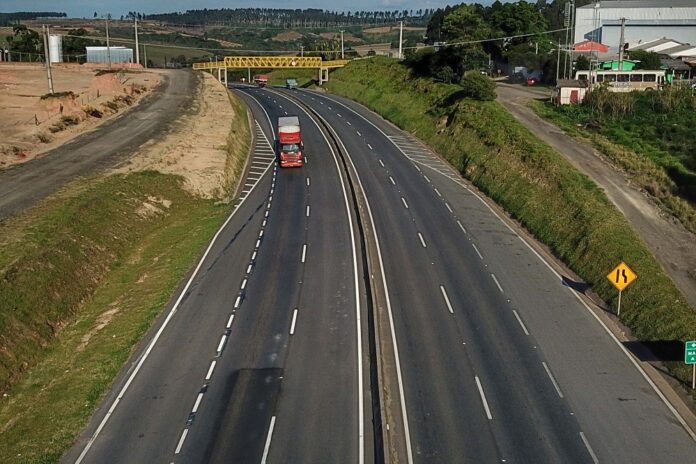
{"x": 690, "y": 353}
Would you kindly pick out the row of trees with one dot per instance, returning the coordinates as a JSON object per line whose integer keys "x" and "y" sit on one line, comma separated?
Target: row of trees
{"x": 275, "y": 17}
{"x": 9, "y": 19}
{"x": 521, "y": 33}
{"x": 27, "y": 41}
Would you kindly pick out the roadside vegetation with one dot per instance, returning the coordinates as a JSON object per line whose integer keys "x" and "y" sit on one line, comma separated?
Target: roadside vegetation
{"x": 535, "y": 185}
{"x": 83, "y": 276}
{"x": 650, "y": 135}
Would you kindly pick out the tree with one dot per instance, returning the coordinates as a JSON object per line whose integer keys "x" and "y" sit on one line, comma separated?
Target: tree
{"x": 477, "y": 86}
{"x": 24, "y": 40}
{"x": 582, "y": 63}
{"x": 648, "y": 60}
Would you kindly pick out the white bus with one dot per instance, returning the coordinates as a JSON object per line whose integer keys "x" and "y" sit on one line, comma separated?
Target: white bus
{"x": 624, "y": 81}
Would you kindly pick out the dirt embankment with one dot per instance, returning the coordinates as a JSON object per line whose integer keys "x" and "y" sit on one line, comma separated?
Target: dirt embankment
{"x": 196, "y": 147}
{"x": 34, "y": 123}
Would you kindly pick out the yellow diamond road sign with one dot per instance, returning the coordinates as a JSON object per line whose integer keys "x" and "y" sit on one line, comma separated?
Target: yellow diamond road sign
{"x": 622, "y": 276}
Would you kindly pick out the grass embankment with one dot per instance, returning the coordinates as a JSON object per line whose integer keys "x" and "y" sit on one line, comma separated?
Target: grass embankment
{"x": 656, "y": 147}
{"x": 83, "y": 275}
{"x": 304, "y": 77}
{"x": 537, "y": 186}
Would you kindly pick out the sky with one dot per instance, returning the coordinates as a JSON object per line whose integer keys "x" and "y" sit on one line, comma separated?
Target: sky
{"x": 86, "y": 8}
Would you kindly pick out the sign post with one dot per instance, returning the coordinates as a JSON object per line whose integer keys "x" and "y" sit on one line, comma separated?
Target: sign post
{"x": 621, "y": 277}
{"x": 690, "y": 358}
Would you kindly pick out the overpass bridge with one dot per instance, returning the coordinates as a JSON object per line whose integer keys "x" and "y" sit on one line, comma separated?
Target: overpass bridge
{"x": 273, "y": 62}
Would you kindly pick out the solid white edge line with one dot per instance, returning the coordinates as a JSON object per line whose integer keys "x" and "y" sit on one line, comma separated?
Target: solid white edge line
{"x": 497, "y": 283}
{"x": 292, "y": 324}
{"x": 444, "y": 294}
{"x": 199, "y": 398}
{"x": 403, "y": 200}
{"x": 553, "y": 380}
{"x": 304, "y": 252}
{"x": 477, "y": 250}
{"x": 181, "y": 441}
{"x": 164, "y": 325}
{"x": 577, "y": 296}
{"x": 267, "y": 446}
{"x": 483, "y": 398}
{"x": 422, "y": 240}
{"x": 589, "y": 448}
{"x": 210, "y": 370}
{"x": 519, "y": 319}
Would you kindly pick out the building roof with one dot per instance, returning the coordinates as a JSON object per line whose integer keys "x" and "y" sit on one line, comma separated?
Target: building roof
{"x": 570, "y": 83}
{"x": 652, "y": 43}
{"x": 681, "y": 50}
{"x": 677, "y": 65}
{"x": 642, "y": 4}
{"x": 589, "y": 45}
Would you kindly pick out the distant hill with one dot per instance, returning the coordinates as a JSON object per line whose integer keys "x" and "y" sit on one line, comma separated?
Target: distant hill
{"x": 7, "y": 19}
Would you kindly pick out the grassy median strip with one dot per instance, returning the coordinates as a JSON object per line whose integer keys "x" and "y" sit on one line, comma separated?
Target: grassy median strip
{"x": 83, "y": 275}
{"x": 560, "y": 206}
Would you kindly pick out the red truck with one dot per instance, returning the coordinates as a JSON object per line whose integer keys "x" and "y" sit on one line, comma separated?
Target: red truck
{"x": 290, "y": 146}
{"x": 261, "y": 80}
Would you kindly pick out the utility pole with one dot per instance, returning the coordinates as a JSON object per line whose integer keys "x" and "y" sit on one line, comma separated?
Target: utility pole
{"x": 137, "y": 47}
{"x": 558, "y": 60}
{"x": 621, "y": 44}
{"x": 401, "y": 37}
{"x": 302, "y": 51}
{"x": 566, "y": 23}
{"x": 108, "y": 48}
{"x": 145, "y": 54}
{"x": 47, "y": 55}
{"x": 342, "y": 55}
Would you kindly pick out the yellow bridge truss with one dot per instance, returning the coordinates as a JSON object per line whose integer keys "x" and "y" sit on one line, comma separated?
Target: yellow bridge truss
{"x": 308, "y": 62}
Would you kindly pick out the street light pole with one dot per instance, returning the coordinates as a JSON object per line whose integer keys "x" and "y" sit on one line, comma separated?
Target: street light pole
{"x": 137, "y": 47}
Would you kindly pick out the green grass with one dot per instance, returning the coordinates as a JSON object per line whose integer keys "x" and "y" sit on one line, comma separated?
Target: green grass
{"x": 558, "y": 205}
{"x": 83, "y": 275}
{"x": 304, "y": 77}
{"x": 630, "y": 154}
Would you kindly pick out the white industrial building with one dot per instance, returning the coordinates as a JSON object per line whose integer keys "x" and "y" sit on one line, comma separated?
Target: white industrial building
{"x": 646, "y": 20}
{"x": 115, "y": 54}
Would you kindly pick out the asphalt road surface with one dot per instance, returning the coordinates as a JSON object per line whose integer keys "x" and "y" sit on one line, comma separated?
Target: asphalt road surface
{"x": 261, "y": 359}
{"x": 22, "y": 185}
{"x": 499, "y": 361}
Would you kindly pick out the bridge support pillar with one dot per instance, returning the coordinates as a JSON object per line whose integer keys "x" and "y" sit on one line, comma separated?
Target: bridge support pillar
{"x": 323, "y": 75}
{"x": 219, "y": 74}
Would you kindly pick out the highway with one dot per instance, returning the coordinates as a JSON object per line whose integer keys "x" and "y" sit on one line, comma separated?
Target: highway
{"x": 264, "y": 355}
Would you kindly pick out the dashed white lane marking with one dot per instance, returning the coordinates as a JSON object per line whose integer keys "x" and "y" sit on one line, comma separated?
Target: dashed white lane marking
{"x": 483, "y": 398}
{"x": 438, "y": 193}
{"x": 308, "y": 182}
{"x": 181, "y": 441}
{"x": 403, "y": 200}
{"x": 391, "y": 179}
{"x": 359, "y": 134}
{"x": 304, "y": 252}
{"x": 380, "y": 162}
{"x": 417, "y": 167}
{"x": 307, "y": 211}
{"x": 267, "y": 446}
{"x": 258, "y": 244}
{"x": 553, "y": 380}
{"x": 348, "y": 122}
{"x": 237, "y": 302}
{"x": 294, "y": 319}
{"x": 221, "y": 345}
{"x": 369, "y": 146}
{"x": 461, "y": 226}
{"x": 321, "y": 102}
{"x": 447, "y": 301}
{"x": 477, "y": 250}
{"x": 230, "y": 321}
{"x": 449, "y": 208}
{"x": 426, "y": 178}
{"x": 339, "y": 115}
{"x": 286, "y": 113}
{"x": 210, "y": 370}
{"x": 199, "y": 398}
{"x": 420, "y": 236}
{"x": 589, "y": 448}
{"x": 497, "y": 283}
{"x": 253, "y": 255}
{"x": 329, "y": 108}
{"x": 250, "y": 267}
{"x": 519, "y": 319}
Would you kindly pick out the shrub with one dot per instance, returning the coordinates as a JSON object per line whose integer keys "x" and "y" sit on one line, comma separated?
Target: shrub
{"x": 478, "y": 87}
{"x": 70, "y": 120}
{"x": 92, "y": 111}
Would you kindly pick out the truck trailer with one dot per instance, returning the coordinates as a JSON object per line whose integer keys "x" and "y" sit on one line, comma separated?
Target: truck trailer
{"x": 261, "y": 80}
{"x": 290, "y": 147}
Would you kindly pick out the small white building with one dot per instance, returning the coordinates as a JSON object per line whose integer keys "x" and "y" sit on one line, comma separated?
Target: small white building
{"x": 570, "y": 92}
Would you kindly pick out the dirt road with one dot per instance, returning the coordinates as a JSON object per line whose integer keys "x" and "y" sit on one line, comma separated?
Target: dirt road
{"x": 673, "y": 246}
{"x": 105, "y": 147}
